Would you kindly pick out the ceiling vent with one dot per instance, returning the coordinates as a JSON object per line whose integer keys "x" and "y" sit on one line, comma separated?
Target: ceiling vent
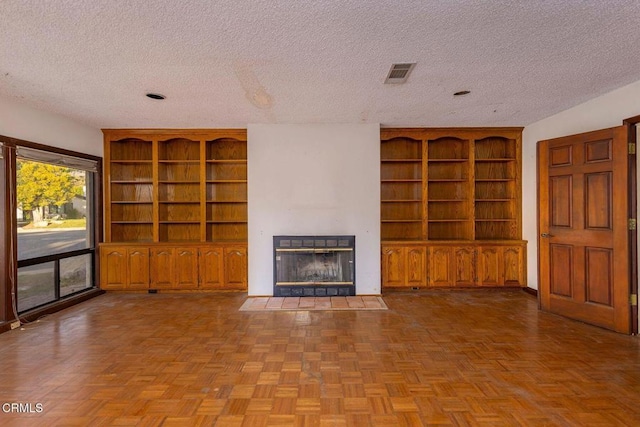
{"x": 399, "y": 73}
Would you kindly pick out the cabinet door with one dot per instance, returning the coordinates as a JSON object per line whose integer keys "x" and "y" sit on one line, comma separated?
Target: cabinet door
{"x": 393, "y": 270}
{"x": 211, "y": 268}
{"x": 416, "y": 266}
{"x": 441, "y": 262}
{"x": 465, "y": 266}
{"x": 513, "y": 261}
{"x": 113, "y": 268}
{"x": 186, "y": 268}
{"x": 162, "y": 268}
{"x": 490, "y": 266}
{"x": 235, "y": 268}
{"x": 138, "y": 268}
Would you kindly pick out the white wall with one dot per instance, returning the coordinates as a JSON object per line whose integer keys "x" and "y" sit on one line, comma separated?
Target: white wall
{"x": 20, "y": 121}
{"x": 603, "y": 112}
{"x": 314, "y": 180}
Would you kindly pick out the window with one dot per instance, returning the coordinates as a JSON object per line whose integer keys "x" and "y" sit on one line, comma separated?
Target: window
{"x": 53, "y": 210}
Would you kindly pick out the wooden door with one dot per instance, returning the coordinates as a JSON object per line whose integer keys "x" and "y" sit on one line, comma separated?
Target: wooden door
{"x": 113, "y": 262}
{"x": 583, "y": 242}
{"x": 186, "y": 264}
{"x": 513, "y": 263}
{"x": 162, "y": 268}
{"x": 416, "y": 266}
{"x": 465, "y": 266}
{"x": 393, "y": 270}
{"x": 235, "y": 268}
{"x": 138, "y": 268}
{"x": 489, "y": 266}
{"x": 441, "y": 266}
{"x": 211, "y": 268}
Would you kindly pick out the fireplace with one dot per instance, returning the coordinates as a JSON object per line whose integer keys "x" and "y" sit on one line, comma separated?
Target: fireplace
{"x": 308, "y": 266}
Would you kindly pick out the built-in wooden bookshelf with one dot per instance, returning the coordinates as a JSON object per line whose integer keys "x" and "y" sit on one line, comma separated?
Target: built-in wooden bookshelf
{"x": 226, "y": 190}
{"x": 401, "y": 192}
{"x": 175, "y": 186}
{"x": 497, "y": 188}
{"x": 449, "y": 213}
{"x": 179, "y": 212}
{"x": 180, "y": 198}
{"x": 452, "y": 196}
{"x": 131, "y": 186}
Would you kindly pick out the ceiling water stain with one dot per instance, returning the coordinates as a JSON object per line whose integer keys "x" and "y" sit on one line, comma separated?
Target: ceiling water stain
{"x": 253, "y": 89}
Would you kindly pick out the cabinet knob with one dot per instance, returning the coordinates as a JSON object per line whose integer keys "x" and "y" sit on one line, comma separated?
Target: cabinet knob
{"x": 546, "y": 235}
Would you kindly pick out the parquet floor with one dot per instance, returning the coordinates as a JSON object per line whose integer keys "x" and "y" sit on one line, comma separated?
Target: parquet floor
{"x": 468, "y": 358}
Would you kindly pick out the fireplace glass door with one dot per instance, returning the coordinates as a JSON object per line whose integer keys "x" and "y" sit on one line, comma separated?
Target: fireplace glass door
{"x": 314, "y": 265}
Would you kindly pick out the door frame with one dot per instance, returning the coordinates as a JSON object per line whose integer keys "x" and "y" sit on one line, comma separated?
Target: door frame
{"x": 632, "y": 131}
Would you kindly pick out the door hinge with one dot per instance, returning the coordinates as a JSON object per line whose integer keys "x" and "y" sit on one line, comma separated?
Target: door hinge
{"x": 633, "y": 300}
{"x": 632, "y": 223}
{"x": 632, "y": 148}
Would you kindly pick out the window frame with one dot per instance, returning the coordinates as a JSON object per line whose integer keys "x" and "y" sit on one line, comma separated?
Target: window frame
{"x": 9, "y": 263}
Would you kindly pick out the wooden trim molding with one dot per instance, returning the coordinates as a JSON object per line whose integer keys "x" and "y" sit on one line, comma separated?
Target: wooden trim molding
{"x": 632, "y": 125}
{"x": 6, "y": 312}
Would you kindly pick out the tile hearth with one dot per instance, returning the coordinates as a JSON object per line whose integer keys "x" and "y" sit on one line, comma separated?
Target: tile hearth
{"x": 369, "y": 302}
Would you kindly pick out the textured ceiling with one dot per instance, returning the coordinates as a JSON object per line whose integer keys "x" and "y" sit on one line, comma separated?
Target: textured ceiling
{"x": 227, "y": 63}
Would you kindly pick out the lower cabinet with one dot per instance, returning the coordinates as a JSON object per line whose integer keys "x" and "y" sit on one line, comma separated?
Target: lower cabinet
{"x": 404, "y": 266}
{"x": 453, "y": 264}
{"x": 173, "y": 267}
{"x": 223, "y": 268}
{"x": 124, "y": 268}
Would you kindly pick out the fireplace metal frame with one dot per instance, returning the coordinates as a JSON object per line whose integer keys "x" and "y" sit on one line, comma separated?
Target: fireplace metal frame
{"x": 311, "y": 244}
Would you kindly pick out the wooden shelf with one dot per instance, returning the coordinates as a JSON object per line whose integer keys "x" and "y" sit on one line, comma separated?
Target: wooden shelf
{"x": 131, "y": 202}
{"x": 227, "y": 201}
{"x": 179, "y": 182}
{"x": 401, "y": 174}
{"x": 175, "y": 185}
{"x": 131, "y": 181}
{"x": 401, "y": 160}
{"x": 178, "y": 202}
{"x": 179, "y": 222}
{"x": 450, "y": 179}
{"x": 175, "y": 209}
{"x": 463, "y": 226}
{"x": 131, "y": 222}
{"x": 179, "y": 162}
{"x": 131, "y": 162}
